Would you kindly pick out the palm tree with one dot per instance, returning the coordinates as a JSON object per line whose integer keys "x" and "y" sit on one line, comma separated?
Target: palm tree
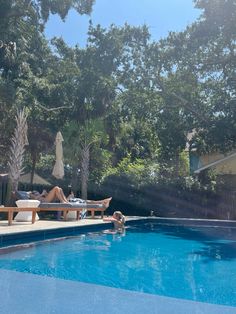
{"x": 78, "y": 142}
{"x": 18, "y": 142}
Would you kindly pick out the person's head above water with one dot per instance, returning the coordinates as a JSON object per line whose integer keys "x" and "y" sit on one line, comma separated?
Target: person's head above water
{"x": 119, "y": 216}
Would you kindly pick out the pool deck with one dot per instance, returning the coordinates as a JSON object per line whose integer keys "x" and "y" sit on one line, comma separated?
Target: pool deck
{"x": 41, "y": 225}
{"x": 28, "y": 293}
{"x": 34, "y": 294}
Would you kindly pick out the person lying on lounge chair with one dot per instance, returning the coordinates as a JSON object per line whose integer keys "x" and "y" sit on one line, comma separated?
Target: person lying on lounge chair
{"x": 57, "y": 194}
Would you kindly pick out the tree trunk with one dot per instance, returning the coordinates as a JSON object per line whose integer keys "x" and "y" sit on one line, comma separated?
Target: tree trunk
{"x": 74, "y": 179}
{"x": 33, "y": 158}
{"x": 85, "y": 172}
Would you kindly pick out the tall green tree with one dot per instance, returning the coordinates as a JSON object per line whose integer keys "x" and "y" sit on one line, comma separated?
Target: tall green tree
{"x": 25, "y": 60}
{"x": 206, "y": 51}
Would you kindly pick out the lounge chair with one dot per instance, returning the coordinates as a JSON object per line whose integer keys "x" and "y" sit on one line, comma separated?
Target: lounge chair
{"x": 73, "y": 207}
{"x": 78, "y": 207}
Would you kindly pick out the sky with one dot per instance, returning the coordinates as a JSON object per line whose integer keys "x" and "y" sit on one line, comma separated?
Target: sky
{"x": 161, "y": 16}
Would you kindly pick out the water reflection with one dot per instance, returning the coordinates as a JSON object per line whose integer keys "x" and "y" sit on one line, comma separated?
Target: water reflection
{"x": 218, "y": 243}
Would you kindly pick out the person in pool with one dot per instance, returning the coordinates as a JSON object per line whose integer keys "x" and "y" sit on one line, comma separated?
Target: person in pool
{"x": 118, "y": 220}
{"x": 57, "y": 194}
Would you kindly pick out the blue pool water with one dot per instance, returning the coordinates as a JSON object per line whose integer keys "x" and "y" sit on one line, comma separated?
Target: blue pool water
{"x": 193, "y": 263}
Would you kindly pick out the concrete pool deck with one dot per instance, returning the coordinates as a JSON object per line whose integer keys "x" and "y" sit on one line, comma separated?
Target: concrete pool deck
{"x": 41, "y": 225}
{"x": 34, "y": 294}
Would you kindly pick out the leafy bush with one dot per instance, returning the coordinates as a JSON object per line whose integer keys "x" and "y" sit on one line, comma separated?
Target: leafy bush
{"x": 138, "y": 189}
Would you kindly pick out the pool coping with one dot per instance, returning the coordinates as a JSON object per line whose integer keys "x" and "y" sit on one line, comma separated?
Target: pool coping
{"x": 64, "y": 230}
{"x": 198, "y": 222}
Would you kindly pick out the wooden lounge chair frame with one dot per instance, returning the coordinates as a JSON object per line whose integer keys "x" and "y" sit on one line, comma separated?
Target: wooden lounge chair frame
{"x": 64, "y": 210}
{"x": 11, "y": 210}
{"x": 93, "y": 210}
{"x": 78, "y": 209}
{"x": 59, "y": 207}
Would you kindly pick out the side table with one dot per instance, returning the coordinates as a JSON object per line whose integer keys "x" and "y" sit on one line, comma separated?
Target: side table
{"x": 26, "y": 216}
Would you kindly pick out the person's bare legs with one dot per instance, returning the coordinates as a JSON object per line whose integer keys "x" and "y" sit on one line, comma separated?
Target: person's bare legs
{"x": 56, "y": 193}
{"x": 105, "y": 202}
{"x": 62, "y": 196}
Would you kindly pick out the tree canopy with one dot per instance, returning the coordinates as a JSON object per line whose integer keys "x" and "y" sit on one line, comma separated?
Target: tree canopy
{"x": 139, "y": 98}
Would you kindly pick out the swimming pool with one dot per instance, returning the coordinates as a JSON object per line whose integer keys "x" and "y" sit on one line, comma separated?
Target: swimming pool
{"x": 192, "y": 263}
